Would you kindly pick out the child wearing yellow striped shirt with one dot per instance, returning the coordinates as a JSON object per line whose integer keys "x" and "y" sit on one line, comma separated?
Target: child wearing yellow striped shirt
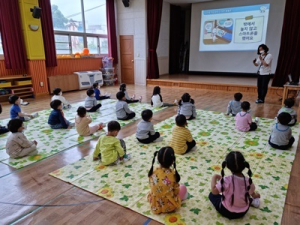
{"x": 182, "y": 141}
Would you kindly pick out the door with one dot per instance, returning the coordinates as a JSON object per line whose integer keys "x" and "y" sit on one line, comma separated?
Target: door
{"x": 127, "y": 62}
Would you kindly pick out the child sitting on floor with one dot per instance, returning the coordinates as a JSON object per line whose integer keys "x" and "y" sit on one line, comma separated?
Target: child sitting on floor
{"x": 230, "y": 195}
{"x": 186, "y": 107}
{"x": 56, "y": 118}
{"x": 288, "y": 104}
{"x": 128, "y": 99}
{"x": 90, "y": 102}
{"x": 156, "y": 99}
{"x": 3, "y": 129}
{"x": 17, "y": 145}
{"x": 166, "y": 193}
{"x": 243, "y": 120}
{"x": 58, "y": 95}
{"x": 234, "y": 106}
{"x": 182, "y": 141}
{"x": 109, "y": 149}
{"x": 122, "y": 110}
{"x": 82, "y": 121}
{"x": 97, "y": 91}
{"x": 281, "y": 135}
{"x": 145, "y": 132}
{"x": 15, "y": 110}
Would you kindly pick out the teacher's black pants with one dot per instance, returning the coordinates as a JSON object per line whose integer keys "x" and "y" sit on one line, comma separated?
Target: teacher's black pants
{"x": 262, "y": 86}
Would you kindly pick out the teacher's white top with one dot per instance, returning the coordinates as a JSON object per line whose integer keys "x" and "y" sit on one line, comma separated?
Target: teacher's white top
{"x": 265, "y": 70}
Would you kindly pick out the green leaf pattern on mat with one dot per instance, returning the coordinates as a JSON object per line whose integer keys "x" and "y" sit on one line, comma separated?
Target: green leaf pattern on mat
{"x": 127, "y": 184}
{"x": 51, "y": 141}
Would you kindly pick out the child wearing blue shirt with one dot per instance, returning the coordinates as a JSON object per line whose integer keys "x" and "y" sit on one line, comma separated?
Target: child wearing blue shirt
{"x": 97, "y": 91}
{"x": 234, "y": 106}
{"x": 56, "y": 118}
{"x": 15, "y": 110}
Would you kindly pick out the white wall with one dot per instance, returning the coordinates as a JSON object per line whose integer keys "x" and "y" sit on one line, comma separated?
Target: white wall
{"x": 132, "y": 21}
{"x": 164, "y": 39}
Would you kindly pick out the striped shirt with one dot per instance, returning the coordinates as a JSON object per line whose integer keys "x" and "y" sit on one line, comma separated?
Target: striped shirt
{"x": 180, "y": 136}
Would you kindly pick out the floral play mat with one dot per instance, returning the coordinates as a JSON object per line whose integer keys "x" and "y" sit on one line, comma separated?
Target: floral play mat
{"x": 52, "y": 141}
{"x": 127, "y": 184}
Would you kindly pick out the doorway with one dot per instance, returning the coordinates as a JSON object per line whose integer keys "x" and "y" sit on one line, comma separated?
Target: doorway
{"x": 127, "y": 59}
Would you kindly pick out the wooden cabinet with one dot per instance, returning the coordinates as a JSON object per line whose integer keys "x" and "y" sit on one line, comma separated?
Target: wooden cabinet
{"x": 67, "y": 82}
{"x": 18, "y": 85}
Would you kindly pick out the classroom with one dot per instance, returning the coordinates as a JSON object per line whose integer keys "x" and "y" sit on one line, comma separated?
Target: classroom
{"x": 149, "y": 112}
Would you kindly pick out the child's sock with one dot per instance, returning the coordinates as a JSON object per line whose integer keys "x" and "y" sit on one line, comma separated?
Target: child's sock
{"x": 140, "y": 99}
{"x": 255, "y": 202}
{"x": 158, "y": 139}
{"x": 133, "y": 97}
{"x": 35, "y": 115}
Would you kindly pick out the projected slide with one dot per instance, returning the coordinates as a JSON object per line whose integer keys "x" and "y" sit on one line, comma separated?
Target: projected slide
{"x": 234, "y": 29}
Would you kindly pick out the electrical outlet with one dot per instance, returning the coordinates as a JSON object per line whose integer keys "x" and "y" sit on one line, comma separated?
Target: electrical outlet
{"x": 42, "y": 84}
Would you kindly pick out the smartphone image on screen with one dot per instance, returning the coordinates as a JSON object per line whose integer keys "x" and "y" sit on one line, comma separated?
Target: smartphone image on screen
{"x": 218, "y": 31}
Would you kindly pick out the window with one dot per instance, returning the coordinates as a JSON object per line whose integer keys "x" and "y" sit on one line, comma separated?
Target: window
{"x": 1, "y": 48}
{"x": 80, "y": 25}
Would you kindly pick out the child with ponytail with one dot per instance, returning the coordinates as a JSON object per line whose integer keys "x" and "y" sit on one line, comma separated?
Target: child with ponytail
{"x": 186, "y": 107}
{"x": 230, "y": 195}
{"x": 166, "y": 193}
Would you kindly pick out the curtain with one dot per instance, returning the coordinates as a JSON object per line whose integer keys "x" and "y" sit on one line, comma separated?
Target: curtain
{"x": 154, "y": 10}
{"x": 12, "y": 35}
{"x": 111, "y": 30}
{"x": 177, "y": 30}
{"x": 48, "y": 33}
{"x": 289, "y": 53}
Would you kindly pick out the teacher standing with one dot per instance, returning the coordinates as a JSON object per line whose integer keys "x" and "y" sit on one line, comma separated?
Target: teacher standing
{"x": 264, "y": 63}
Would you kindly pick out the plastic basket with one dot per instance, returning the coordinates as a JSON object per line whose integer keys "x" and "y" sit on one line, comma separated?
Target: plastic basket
{"x": 109, "y": 82}
{"x": 107, "y": 62}
{"x": 108, "y": 76}
{"x": 5, "y": 84}
{"x": 23, "y": 82}
{"x": 108, "y": 71}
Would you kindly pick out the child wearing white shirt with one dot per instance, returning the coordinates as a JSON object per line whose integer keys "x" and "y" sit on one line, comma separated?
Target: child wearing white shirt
{"x": 58, "y": 96}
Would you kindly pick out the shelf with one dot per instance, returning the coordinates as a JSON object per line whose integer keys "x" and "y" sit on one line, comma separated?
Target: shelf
{"x": 24, "y": 88}
{"x": 15, "y": 77}
{"x": 24, "y": 92}
{"x": 28, "y": 95}
{"x": 18, "y": 93}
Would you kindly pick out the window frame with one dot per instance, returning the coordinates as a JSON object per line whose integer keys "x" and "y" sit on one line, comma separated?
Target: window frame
{"x": 1, "y": 54}
{"x": 83, "y": 34}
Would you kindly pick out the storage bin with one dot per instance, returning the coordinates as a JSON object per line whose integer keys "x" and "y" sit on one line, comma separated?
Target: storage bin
{"x": 108, "y": 76}
{"x": 109, "y": 82}
{"x": 23, "y": 82}
{"x": 5, "y": 91}
{"x": 6, "y": 84}
{"x": 108, "y": 71}
{"x": 107, "y": 62}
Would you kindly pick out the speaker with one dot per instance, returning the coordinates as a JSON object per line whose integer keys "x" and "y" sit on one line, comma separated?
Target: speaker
{"x": 36, "y": 12}
{"x": 125, "y": 3}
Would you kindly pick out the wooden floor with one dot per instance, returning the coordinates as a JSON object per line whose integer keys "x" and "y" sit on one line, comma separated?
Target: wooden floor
{"x": 31, "y": 196}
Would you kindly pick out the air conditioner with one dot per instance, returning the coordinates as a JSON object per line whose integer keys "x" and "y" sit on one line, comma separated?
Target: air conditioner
{"x": 87, "y": 78}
